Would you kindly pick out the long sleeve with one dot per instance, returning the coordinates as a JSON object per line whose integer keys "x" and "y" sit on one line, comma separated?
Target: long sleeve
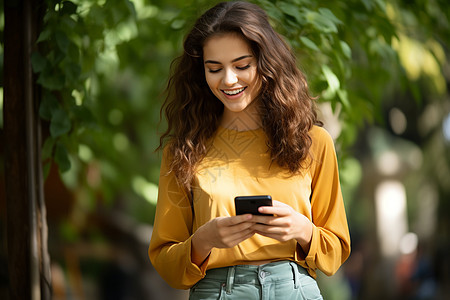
{"x": 330, "y": 244}
{"x": 170, "y": 245}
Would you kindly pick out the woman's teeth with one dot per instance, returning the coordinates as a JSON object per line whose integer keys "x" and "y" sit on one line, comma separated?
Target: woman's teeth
{"x": 233, "y": 92}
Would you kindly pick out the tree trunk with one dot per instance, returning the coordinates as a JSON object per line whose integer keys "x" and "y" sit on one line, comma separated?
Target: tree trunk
{"x": 28, "y": 259}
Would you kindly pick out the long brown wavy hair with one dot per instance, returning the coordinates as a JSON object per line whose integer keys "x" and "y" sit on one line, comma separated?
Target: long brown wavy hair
{"x": 193, "y": 113}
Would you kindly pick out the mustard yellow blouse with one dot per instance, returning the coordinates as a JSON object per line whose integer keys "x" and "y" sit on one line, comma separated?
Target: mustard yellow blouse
{"x": 238, "y": 164}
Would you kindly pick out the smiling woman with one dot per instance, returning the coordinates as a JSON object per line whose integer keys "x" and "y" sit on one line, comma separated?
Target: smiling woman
{"x": 231, "y": 74}
{"x": 241, "y": 122}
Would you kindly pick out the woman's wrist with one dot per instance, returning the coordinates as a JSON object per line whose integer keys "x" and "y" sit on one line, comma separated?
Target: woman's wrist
{"x": 200, "y": 248}
{"x": 306, "y": 237}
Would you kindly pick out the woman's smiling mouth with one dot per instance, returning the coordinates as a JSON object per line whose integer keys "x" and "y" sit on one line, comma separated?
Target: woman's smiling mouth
{"x": 233, "y": 92}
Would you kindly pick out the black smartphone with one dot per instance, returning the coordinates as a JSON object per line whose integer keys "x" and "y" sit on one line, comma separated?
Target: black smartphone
{"x": 250, "y": 204}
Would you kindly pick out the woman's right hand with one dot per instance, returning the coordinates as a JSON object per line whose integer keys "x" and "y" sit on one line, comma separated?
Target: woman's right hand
{"x": 221, "y": 232}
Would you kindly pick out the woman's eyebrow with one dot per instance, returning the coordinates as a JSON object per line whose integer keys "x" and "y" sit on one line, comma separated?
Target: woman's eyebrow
{"x": 234, "y": 60}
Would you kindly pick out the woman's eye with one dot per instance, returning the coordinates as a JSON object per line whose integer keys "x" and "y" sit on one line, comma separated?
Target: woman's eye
{"x": 214, "y": 70}
{"x": 244, "y": 67}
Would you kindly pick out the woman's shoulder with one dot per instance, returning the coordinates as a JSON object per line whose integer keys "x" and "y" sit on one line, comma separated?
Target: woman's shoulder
{"x": 321, "y": 139}
{"x": 320, "y": 134}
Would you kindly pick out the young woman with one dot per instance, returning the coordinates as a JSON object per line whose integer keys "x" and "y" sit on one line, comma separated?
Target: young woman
{"x": 241, "y": 122}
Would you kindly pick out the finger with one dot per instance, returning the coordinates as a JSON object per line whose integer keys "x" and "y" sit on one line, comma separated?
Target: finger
{"x": 236, "y": 242}
{"x": 234, "y": 239}
{"x": 268, "y": 229}
{"x": 242, "y": 235}
{"x": 278, "y": 208}
{"x": 233, "y": 220}
{"x": 225, "y": 232}
{"x": 278, "y": 237}
{"x": 275, "y": 210}
{"x": 278, "y": 233}
{"x": 267, "y": 220}
{"x": 240, "y": 227}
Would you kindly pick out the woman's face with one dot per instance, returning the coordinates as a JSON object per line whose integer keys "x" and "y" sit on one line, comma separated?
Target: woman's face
{"x": 231, "y": 73}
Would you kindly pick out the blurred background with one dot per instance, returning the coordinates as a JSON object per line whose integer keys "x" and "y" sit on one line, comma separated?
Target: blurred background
{"x": 380, "y": 70}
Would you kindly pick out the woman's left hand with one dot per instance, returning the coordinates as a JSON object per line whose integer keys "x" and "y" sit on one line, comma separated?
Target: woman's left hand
{"x": 286, "y": 224}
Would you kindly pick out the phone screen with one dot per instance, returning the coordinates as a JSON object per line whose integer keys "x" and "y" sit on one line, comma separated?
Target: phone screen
{"x": 250, "y": 204}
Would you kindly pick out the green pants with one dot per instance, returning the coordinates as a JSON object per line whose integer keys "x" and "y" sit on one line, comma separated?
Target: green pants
{"x": 282, "y": 280}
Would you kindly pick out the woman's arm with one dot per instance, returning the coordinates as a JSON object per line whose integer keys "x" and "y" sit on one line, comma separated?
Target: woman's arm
{"x": 330, "y": 243}
{"x": 180, "y": 256}
{"x": 170, "y": 245}
{"x": 325, "y": 241}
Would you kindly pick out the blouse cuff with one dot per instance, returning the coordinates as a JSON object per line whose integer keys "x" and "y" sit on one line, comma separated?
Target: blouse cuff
{"x": 311, "y": 255}
{"x": 192, "y": 268}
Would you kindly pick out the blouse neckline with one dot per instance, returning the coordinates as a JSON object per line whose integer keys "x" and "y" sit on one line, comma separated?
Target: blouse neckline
{"x": 243, "y": 132}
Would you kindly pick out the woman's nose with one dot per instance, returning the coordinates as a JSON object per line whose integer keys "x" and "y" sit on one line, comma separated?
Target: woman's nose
{"x": 230, "y": 78}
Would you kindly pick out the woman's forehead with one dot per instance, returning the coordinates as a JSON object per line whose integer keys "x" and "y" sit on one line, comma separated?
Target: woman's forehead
{"x": 226, "y": 48}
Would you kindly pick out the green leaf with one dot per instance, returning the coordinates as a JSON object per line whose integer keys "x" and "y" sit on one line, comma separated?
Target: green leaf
{"x": 62, "y": 158}
{"x": 343, "y": 96}
{"x": 55, "y": 56}
{"x": 60, "y": 123}
{"x": 47, "y": 148}
{"x": 329, "y": 15}
{"x": 178, "y": 24}
{"x": 331, "y": 78}
{"x": 68, "y": 23}
{"x": 321, "y": 22}
{"x": 62, "y": 41}
{"x": 45, "y": 35}
{"x": 72, "y": 71}
{"x": 38, "y": 62}
{"x": 83, "y": 114}
{"x": 346, "y": 49}
{"x": 308, "y": 43}
{"x": 368, "y": 4}
{"x": 69, "y": 8}
{"x": 130, "y": 5}
{"x": 51, "y": 81}
{"x": 381, "y": 4}
{"x": 48, "y": 106}
{"x": 46, "y": 168}
{"x": 292, "y": 10}
{"x": 272, "y": 11}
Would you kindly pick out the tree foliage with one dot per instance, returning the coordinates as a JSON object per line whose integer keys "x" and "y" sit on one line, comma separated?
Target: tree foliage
{"x": 103, "y": 66}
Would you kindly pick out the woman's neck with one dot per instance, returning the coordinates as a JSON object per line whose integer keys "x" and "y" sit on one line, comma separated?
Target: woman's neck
{"x": 248, "y": 119}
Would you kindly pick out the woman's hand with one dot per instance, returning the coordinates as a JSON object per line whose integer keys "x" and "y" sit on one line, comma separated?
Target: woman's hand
{"x": 221, "y": 232}
{"x": 286, "y": 224}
